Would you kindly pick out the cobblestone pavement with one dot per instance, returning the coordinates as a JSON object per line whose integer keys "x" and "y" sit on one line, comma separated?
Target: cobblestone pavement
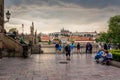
{"x": 55, "y": 67}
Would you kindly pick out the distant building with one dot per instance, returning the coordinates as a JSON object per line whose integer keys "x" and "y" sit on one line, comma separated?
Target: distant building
{"x": 65, "y": 32}
{"x": 66, "y": 35}
{"x": 45, "y": 38}
{"x": 81, "y": 39}
{"x": 88, "y": 34}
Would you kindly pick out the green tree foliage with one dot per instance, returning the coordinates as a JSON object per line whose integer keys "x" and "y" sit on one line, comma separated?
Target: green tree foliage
{"x": 113, "y": 34}
{"x": 49, "y": 42}
{"x": 105, "y": 37}
{"x": 114, "y": 29}
{"x": 13, "y": 30}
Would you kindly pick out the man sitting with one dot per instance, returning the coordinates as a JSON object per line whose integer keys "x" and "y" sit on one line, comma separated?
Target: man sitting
{"x": 107, "y": 57}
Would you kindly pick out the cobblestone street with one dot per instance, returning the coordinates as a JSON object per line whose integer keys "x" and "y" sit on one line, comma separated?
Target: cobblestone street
{"x": 55, "y": 67}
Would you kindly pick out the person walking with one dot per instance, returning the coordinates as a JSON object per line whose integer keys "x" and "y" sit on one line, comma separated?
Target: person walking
{"x": 100, "y": 46}
{"x": 57, "y": 47}
{"x": 67, "y": 50}
{"x": 90, "y": 48}
{"x": 72, "y": 46}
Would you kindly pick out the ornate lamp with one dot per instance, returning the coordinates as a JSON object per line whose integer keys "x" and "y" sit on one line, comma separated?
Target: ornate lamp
{"x": 8, "y": 14}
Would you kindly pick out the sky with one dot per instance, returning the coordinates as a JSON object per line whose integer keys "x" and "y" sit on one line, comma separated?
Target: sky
{"x": 53, "y": 15}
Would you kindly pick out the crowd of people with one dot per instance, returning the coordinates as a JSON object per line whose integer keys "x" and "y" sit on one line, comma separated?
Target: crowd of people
{"x": 69, "y": 48}
{"x": 102, "y": 56}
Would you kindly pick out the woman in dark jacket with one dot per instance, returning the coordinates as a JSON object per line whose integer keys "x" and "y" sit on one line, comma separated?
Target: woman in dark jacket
{"x": 67, "y": 49}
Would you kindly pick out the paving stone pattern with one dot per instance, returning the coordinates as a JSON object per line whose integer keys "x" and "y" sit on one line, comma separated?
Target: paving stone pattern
{"x": 55, "y": 67}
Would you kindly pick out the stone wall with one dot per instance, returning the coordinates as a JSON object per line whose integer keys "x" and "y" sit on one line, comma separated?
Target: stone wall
{"x": 12, "y": 44}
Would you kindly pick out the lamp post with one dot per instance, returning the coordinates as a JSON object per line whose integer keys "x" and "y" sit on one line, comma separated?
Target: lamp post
{"x": 2, "y": 22}
{"x": 8, "y": 14}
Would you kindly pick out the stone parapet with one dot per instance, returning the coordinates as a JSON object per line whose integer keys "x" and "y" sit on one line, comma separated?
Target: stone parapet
{"x": 12, "y": 45}
{"x": 115, "y": 63}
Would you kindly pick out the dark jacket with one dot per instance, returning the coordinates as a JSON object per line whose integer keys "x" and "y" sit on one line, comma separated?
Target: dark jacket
{"x": 67, "y": 49}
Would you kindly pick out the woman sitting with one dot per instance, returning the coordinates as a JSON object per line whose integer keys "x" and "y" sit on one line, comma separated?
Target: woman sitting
{"x": 107, "y": 57}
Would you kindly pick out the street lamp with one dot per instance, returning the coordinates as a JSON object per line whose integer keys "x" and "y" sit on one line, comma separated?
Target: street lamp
{"x": 8, "y": 14}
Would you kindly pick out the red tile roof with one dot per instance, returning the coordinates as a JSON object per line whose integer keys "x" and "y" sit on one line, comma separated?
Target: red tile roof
{"x": 45, "y": 38}
{"x": 78, "y": 38}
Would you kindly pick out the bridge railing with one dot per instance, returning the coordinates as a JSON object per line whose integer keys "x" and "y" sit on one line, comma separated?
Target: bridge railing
{"x": 51, "y": 49}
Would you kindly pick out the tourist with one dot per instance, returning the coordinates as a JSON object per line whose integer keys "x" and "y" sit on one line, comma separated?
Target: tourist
{"x": 78, "y": 48}
{"x": 88, "y": 48}
{"x": 91, "y": 48}
{"x": 57, "y": 47}
{"x": 99, "y": 54}
{"x": 72, "y": 46}
{"x": 107, "y": 57}
{"x": 67, "y": 50}
{"x": 105, "y": 46}
{"x": 100, "y": 46}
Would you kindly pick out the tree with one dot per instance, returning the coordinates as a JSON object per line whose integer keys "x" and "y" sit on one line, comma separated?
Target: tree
{"x": 13, "y": 30}
{"x": 104, "y": 37}
{"x": 49, "y": 42}
{"x": 114, "y": 29}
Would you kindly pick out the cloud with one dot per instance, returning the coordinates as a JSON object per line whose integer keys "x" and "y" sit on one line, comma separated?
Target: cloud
{"x": 65, "y": 3}
{"x": 53, "y": 15}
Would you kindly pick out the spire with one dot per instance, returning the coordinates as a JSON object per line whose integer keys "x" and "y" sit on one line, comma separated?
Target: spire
{"x": 32, "y": 23}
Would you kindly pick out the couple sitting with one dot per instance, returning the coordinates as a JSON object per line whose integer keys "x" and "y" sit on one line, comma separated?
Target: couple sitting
{"x": 104, "y": 55}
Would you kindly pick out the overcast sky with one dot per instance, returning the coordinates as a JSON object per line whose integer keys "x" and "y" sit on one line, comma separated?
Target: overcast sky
{"x": 53, "y": 15}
